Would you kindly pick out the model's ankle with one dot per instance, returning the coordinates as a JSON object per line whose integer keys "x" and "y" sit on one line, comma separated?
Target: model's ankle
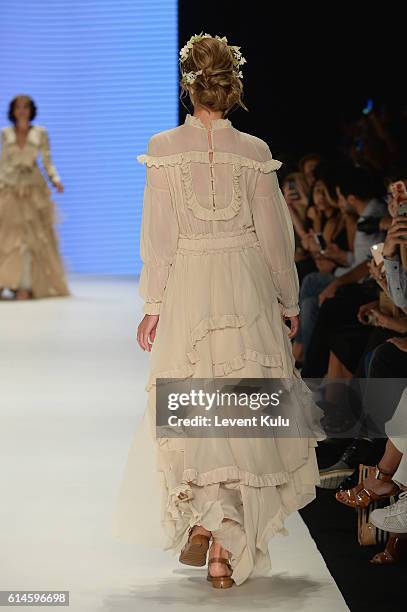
{"x": 198, "y": 530}
{"x": 218, "y": 568}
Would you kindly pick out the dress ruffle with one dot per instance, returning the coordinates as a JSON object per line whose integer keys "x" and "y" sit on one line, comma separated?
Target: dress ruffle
{"x": 220, "y": 369}
{"x": 219, "y": 157}
{"x": 182, "y": 372}
{"x": 207, "y": 214}
{"x": 234, "y": 474}
{"x": 184, "y": 160}
{"x": 212, "y": 323}
{"x": 266, "y": 501}
{"x": 27, "y": 218}
{"x": 197, "y": 334}
{"x": 239, "y": 361}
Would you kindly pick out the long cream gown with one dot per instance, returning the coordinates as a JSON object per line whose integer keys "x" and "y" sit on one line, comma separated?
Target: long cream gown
{"x": 29, "y": 251}
{"x": 217, "y": 245}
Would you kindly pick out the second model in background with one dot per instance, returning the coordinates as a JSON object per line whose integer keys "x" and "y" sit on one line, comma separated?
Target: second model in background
{"x": 30, "y": 264}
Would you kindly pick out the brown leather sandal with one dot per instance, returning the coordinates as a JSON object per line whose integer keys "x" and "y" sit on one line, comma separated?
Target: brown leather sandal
{"x": 195, "y": 551}
{"x": 220, "y": 582}
{"x": 360, "y": 497}
{"x": 395, "y": 551}
{"x": 23, "y": 294}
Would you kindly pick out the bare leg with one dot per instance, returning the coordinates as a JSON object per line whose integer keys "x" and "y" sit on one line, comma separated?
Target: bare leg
{"x": 336, "y": 369}
{"x": 218, "y": 569}
{"x": 298, "y": 351}
{"x": 388, "y": 464}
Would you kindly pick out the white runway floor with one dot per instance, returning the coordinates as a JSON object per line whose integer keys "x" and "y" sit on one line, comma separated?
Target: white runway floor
{"x": 71, "y": 391}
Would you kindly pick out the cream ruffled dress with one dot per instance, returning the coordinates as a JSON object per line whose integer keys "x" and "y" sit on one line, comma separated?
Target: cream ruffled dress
{"x": 217, "y": 245}
{"x": 29, "y": 252}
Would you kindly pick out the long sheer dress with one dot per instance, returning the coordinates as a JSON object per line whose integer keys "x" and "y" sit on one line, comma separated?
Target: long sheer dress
{"x": 217, "y": 245}
{"x": 29, "y": 250}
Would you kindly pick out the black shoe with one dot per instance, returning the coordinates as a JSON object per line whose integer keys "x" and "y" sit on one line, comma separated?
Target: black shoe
{"x": 359, "y": 451}
{"x": 337, "y": 422}
{"x": 330, "y": 450}
{"x": 350, "y": 482}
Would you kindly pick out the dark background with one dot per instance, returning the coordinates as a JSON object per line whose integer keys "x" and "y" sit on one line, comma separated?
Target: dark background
{"x": 308, "y": 72}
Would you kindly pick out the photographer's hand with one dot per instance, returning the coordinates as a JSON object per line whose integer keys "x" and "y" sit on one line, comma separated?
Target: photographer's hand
{"x": 324, "y": 265}
{"x": 365, "y": 309}
{"x": 332, "y": 251}
{"x": 396, "y": 236}
{"x": 401, "y": 343}
{"x": 328, "y": 292}
{"x": 397, "y": 324}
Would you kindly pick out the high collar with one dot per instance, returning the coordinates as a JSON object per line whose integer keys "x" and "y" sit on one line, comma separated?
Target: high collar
{"x": 215, "y": 123}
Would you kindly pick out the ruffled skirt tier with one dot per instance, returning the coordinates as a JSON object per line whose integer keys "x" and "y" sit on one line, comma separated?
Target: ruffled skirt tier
{"x": 27, "y": 218}
{"x": 220, "y": 318}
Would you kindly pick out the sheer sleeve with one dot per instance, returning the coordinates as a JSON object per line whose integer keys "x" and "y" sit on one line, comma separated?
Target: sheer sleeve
{"x": 46, "y": 158}
{"x": 274, "y": 228}
{"x": 159, "y": 236}
{"x": 3, "y": 146}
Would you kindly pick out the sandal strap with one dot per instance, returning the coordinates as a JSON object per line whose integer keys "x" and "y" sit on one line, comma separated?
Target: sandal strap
{"x": 219, "y": 560}
{"x": 357, "y": 495}
{"x": 363, "y": 493}
{"x": 352, "y": 493}
{"x": 384, "y": 476}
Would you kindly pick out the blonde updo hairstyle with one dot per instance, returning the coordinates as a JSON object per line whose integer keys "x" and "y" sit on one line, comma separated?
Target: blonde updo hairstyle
{"x": 218, "y": 88}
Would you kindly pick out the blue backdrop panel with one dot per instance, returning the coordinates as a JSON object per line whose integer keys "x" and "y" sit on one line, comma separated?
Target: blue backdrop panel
{"x": 104, "y": 75}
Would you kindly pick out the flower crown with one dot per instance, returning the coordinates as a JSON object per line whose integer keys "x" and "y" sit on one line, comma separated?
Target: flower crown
{"x": 189, "y": 77}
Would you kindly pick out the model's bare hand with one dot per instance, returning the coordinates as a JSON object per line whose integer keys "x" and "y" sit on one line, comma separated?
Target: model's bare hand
{"x": 146, "y": 331}
{"x": 59, "y": 187}
{"x": 294, "y": 325}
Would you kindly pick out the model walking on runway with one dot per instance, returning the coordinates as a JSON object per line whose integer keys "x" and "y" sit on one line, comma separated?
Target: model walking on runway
{"x": 219, "y": 284}
{"x": 30, "y": 264}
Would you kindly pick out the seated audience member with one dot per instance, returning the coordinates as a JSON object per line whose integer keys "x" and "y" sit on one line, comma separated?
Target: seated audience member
{"x": 352, "y": 345}
{"x": 307, "y": 166}
{"x": 390, "y": 478}
{"x": 388, "y": 359}
{"x": 396, "y": 273}
{"x": 297, "y": 194}
{"x": 320, "y": 218}
{"x": 358, "y": 194}
{"x": 334, "y": 230}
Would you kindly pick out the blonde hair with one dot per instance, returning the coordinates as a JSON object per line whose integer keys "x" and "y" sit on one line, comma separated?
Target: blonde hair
{"x": 219, "y": 87}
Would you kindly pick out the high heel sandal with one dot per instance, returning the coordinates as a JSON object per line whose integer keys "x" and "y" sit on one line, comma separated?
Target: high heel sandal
{"x": 395, "y": 551}
{"x": 195, "y": 551}
{"x": 361, "y": 497}
{"x": 220, "y": 582}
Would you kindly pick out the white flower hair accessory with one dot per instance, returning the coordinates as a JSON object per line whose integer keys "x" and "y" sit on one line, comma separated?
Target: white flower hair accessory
{"x": 189, "y": 77}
